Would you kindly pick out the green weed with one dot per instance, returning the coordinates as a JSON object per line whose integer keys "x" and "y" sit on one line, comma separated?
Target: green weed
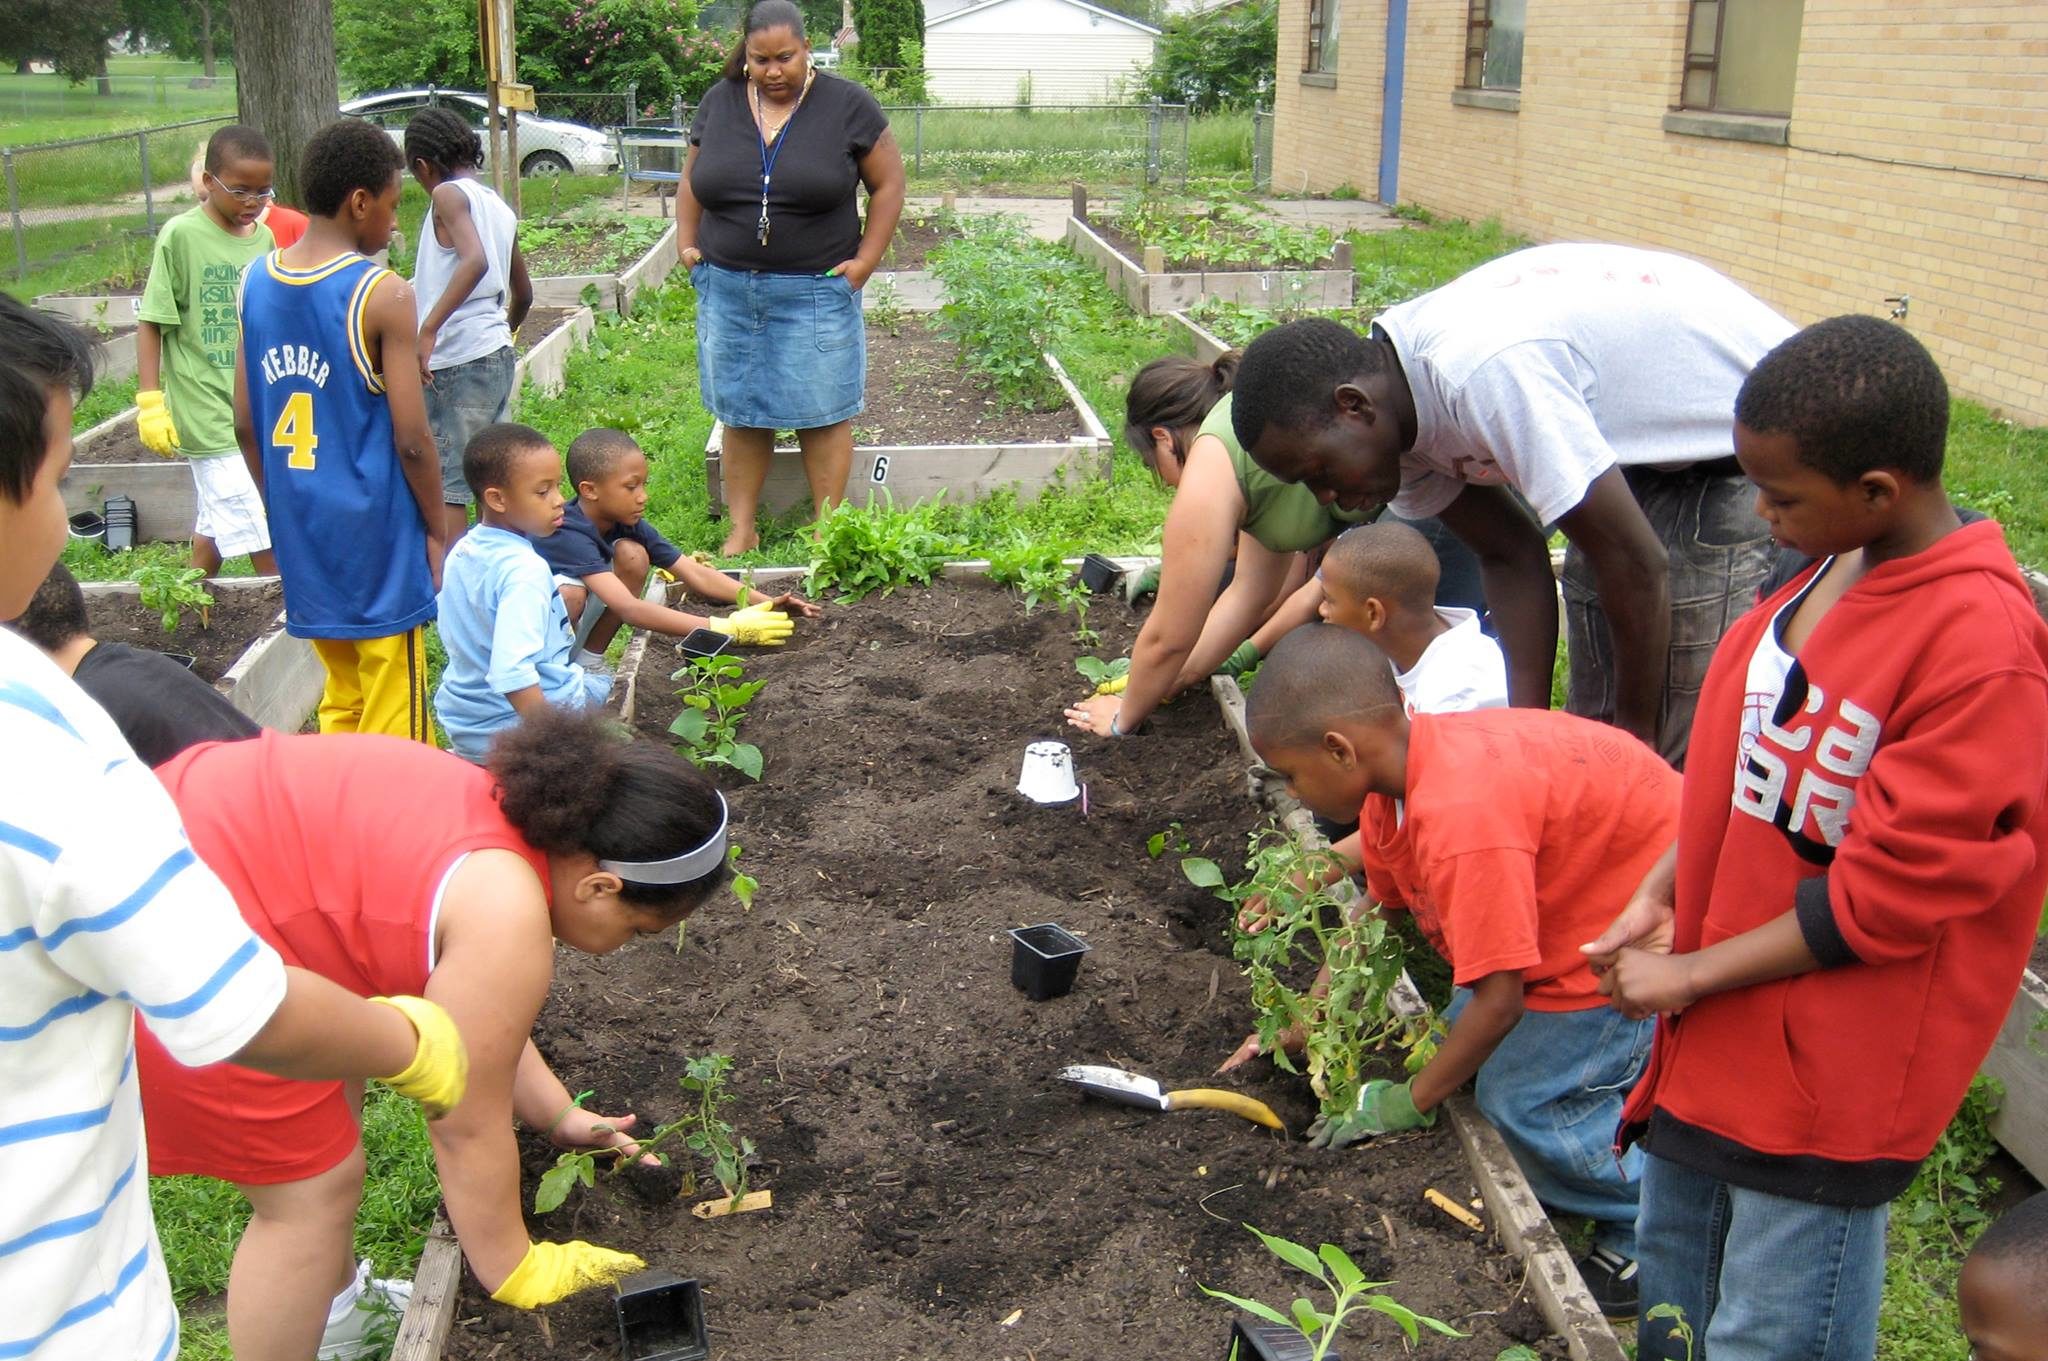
{"x": 1230, "y": 229}
{"x": 172, "y": 590}
{"x": 1932, "y": 1227}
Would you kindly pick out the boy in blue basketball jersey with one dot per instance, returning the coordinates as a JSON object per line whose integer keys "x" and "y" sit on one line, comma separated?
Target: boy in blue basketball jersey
{"x": 336, "y": 437}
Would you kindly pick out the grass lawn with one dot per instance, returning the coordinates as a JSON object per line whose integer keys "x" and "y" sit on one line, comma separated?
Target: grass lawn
{"x": 147, "y": 90}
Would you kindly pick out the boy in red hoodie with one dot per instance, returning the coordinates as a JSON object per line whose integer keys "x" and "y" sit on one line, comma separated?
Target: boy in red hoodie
{"x": 1859, "y": 866}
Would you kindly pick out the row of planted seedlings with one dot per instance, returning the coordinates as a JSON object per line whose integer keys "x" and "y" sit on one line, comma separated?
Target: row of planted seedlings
{"x": 938, "y": 1190}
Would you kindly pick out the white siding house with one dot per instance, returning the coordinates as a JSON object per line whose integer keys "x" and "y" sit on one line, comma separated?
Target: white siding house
{"x": 1071, "y": 51}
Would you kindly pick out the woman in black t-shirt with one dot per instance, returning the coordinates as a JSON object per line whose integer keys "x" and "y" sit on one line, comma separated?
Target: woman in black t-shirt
{"x": 769, "y": 226}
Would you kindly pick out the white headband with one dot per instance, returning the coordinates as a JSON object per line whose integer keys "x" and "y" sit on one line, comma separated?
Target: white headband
{"x": 680, "y": 869}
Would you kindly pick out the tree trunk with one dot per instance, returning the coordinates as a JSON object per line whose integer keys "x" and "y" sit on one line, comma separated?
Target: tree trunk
{"x": 285, "y": 78}
{"x": 105, "y": 83}
{"x": 24, "y": 66}
{"x": 206, "y": 58}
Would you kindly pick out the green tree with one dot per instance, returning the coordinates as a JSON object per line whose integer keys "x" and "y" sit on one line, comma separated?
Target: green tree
{"x": 1218, "y": 59}
{"x": 192, "y": 30}
{"x": 424, "y": 42}
{"x": 885, "y": 26}
{"x": 593, "y": 46}
{"x": 71, "y": 34}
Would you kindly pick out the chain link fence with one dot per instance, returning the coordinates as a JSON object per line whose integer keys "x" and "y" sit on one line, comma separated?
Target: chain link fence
{"x": 94, "y": 197}
{"x": 1262, "y": 150}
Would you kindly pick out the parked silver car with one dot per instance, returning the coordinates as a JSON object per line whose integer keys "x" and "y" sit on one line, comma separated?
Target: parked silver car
{"x": 547, "y": 146}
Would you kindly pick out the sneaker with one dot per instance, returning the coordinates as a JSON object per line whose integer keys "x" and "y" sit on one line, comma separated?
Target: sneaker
{"x": 1611, "y": 1280}
{"x": 370, "y": 1323}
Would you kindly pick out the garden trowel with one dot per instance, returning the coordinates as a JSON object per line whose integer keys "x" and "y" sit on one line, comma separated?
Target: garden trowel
{"x": 1116, "y": 1084}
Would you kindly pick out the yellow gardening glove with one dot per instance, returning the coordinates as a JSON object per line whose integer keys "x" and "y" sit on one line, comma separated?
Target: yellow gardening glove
{"x": 555, "y": 1271}
{"x": 439, "y": 1070}
{"x": 755, "y": 626}
{"x": 153, "y": 423}
{"x": 1114, "y": 685}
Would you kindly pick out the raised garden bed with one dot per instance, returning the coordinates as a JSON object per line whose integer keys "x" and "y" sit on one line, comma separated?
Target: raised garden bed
{"x": 931, "y": 1178}
{"x": 933, "y": 428}
{"x": 269, "y": 675}
{"x": 109, "y": 459}
{"x": 606, "y": 255}
{"x": 1151, "y": 282}
{"x": 106, "y": 305}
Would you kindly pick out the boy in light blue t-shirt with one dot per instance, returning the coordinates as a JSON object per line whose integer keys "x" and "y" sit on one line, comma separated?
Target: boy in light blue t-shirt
{"x": 502, "y": 621}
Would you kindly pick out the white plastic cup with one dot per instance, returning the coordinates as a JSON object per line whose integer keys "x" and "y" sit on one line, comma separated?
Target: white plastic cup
{"x": 1048, "y": 774}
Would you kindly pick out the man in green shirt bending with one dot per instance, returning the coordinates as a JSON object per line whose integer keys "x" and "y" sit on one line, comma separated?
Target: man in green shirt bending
{"x": 185, "y": 338}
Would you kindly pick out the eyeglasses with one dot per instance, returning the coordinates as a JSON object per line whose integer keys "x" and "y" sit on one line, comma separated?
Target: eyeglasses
{"x": 243, "y": 195}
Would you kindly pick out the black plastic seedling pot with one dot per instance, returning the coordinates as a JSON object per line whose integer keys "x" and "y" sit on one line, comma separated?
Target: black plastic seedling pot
{"x": 1099, "y": 574}
{"x": 120, "y": 517}
{"x": 1044, "y": 960}
{"x": 184, "y": 659}
{"x": 704, "y": 643}
{"x": 1267, "y": 1342}
{"x": 661, "y": 1318}
{"x": 89, "y": 525}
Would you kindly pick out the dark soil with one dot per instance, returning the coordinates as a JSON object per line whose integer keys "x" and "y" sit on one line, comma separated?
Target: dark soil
{"x": 916, "y": 238}
{"x": 121, "y": 445}
{"x": 931, "y": 1177}
{"x": 582, "y": 248}
{"x": 239, "y": 615}
{"x": 918, "y": 392}
{"x": 1135, "y": 250}
{"x": 539, "y": 322}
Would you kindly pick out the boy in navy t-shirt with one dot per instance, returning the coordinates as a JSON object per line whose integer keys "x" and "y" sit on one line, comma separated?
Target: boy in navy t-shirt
{"x": 605, "y": 548}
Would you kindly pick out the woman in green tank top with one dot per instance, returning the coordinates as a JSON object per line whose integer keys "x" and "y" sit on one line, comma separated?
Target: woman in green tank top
{"x": 1177, "y": 417}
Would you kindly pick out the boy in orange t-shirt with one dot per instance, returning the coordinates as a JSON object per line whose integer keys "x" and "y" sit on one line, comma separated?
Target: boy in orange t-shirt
{"x": 1513, "y": 835}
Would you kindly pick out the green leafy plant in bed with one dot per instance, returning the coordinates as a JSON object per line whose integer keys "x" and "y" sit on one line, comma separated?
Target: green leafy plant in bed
{"x": 1008, "y": 299}
{"x": 1308, "y": 927}
{"x": 586, "y": 243}
{"x": 703, "y": 1130}
{"x": 1039, "y": 571}
{"x": 715, "y": 696}
{"x": 857, "y": 550}
{"x": 171, "y": 590}
{"x": 1350, "y": 1293}
{"x": 1226, "y": 230}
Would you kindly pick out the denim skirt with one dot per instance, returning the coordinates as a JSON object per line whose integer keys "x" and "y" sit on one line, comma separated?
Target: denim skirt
{"x": 779, "y": 351}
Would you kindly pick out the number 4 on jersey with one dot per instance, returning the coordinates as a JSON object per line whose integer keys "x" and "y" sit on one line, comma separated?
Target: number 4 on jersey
{"x": 294, "y": 431}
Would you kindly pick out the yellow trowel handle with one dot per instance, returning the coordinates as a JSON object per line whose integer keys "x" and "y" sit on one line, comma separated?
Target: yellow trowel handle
{"x": 1216, "y": 1099}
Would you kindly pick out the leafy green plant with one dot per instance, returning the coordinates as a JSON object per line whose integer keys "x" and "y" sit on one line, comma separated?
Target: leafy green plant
{"x": 861, "y": 549}
{"x": 1008, "y": 300}
{"x": 1933, "y": 1224}
{"x": 171, "y": 590}
{"x": 1681, "y": 1330}
{"x": 1039, "y": 570}
{"x": 715, "y": 698}
{"x": 1157, "y": 844}
{"x": 1096, "y": 671}
{"x": 744, "y": 885}
{"x": 1228, "y": 230}
{"x": 703, "y": 1130}
{"x": 1309, "y": 926}
{"x": 1349, "y": 1292}
{"x": 883, "y": 305}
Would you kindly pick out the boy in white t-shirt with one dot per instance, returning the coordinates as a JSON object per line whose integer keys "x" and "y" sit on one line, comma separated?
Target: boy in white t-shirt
{"x": 105, "y": 912}
{"x": 1380, "y": 580}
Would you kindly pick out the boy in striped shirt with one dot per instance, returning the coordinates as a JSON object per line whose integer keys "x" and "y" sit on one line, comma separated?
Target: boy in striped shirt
{"x": 104, "y": 912}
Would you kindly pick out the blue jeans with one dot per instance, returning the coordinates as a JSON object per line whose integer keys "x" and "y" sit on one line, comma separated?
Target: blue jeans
{"x": 1760, "y": 1277}
{"x": 1719, "y": 551}
{"x": 1554, "y": 1088}
{"x": 460, "y": 403}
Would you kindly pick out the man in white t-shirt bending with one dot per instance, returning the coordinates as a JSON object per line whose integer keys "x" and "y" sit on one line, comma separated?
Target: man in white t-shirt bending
{"x": 105, "y": 912}
{"x": 1595, "y": 382}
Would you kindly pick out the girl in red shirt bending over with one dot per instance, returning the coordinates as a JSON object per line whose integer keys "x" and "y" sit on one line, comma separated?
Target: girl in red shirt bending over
{"x": 393, "y": 868}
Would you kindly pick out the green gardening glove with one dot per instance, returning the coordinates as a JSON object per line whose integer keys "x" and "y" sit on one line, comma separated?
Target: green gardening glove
{"x": 1237, "y": 663}
{"x": 1383, "y": 1108}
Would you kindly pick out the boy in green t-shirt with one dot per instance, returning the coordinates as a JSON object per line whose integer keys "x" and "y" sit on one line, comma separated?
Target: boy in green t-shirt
{"x": 185, "y": 338}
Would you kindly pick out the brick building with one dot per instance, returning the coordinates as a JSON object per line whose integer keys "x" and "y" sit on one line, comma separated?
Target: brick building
{"x": 1830, "y": 155}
